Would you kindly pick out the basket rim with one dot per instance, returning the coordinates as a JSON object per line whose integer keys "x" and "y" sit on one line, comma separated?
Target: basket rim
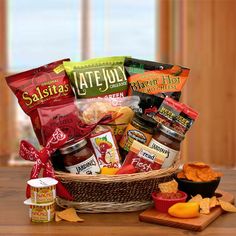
{"x": 119, "y": 178}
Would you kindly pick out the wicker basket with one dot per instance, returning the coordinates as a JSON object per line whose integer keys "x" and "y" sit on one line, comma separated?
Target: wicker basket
{"x": 113, "y": 193}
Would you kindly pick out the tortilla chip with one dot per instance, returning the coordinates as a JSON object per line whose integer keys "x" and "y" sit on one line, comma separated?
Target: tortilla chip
{"x": 69, "y": 214}
{"x": 181, "y": 175}
{"x": 205, "y": 206}
{"x": 168, "y": 187}
{"x": 226, "y": 206}
{"x": 213, "y": 202}
{"x": 197, "y": 198}
{"x": 57, "y": 218}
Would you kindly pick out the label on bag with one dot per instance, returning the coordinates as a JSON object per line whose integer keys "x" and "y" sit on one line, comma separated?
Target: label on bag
{"x": 170, "y": 153}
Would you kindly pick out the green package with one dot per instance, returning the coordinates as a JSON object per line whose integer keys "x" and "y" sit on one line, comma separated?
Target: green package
{"x": 99, "y": 77}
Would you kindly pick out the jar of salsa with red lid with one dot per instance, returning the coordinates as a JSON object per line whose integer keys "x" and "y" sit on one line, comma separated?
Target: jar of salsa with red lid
{"x": 79, "y": 158}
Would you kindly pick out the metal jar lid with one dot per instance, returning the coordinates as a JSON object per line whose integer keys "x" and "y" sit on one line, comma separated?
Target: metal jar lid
{"x": 73, "y": 147}
{"x": 170, "y": 132}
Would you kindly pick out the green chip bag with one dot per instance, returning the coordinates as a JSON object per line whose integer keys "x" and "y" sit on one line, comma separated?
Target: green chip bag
{"x": 99, "y": 77}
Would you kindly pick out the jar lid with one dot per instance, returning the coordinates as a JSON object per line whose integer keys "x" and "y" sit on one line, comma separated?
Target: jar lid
{"x": 172, "y": 133}
{"x": 147, "y": 120}
{"x": 73, "y": 147}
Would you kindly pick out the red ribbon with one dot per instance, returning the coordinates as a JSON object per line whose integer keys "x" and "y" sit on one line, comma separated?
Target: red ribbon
{"x": 41, "y": 158}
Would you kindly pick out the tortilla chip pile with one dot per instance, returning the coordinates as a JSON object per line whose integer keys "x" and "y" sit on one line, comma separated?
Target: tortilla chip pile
{"x": 198, "y": 172}
{"x": 206, "y": 204}
{"x": 68, "y": 214}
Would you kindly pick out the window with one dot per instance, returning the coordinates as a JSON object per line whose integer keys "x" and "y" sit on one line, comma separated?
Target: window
{"x": 40, "y": 32}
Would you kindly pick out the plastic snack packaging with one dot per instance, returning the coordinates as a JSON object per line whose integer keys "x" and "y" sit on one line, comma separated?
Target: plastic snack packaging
{"x": 43, "y": 86}
{"x": 99, "y": 77}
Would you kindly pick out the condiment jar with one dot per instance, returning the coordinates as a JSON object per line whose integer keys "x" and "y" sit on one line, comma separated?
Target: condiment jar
{"x": 79, "y": 158}
{"x": 141, "y": 129}
{"x": 167, "y": 141}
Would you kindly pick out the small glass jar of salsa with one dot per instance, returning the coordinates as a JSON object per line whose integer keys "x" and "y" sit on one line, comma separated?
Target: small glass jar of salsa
{"x": 167, "y": 141}
{"x": 79, "y": 158}
{"x": 141, "y": 129}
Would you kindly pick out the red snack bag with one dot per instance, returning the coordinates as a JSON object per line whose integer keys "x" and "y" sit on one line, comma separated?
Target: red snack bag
{"x": 105, "y": 147}
{"x": 143, "y": 158}
{"x": 185, "y": 119}
{"x": 63, "y": 116}
{"x": 43, "y": 86}
{"x": 168, "y": 111}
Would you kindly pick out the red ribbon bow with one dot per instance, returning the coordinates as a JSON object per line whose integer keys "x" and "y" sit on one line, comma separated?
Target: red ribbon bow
{"x": 41, "y": 158}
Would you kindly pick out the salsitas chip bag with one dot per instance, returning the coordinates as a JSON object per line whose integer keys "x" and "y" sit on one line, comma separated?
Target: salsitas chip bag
{"x": 43, "y": 86}
{"x": 99, "y": 77}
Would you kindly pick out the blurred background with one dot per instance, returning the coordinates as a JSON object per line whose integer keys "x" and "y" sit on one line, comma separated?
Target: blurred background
{"x": 198, "y": 34}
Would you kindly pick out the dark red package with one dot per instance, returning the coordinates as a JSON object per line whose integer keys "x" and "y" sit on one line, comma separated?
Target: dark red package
{"x": 185, "y": 119}
{"x": 62, "y": 116}
{"x": 168, "y": 111}
{"x": 43, "y": 86}
{"x": 143, "y": 158}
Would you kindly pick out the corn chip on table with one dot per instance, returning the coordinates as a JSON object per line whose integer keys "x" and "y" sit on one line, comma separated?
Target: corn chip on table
{"x": 14, "y": 219}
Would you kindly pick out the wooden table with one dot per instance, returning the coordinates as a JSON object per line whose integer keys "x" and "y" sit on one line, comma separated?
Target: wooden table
{"x": 14, "y": 218}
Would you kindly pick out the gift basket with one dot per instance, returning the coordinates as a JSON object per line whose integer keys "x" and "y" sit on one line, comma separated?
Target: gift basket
{"x": 112, "y": 128}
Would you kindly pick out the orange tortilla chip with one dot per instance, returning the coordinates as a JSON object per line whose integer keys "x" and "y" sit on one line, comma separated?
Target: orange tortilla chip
{"x": 69, "y": 215}
{"x": 57, "y": 218}
{"x": 181, "y": 175}
{"x": 226, "y": 206}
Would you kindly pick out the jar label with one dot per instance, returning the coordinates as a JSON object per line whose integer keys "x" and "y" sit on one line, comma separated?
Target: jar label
{"x": 131, "y": 133}
{"x": 89, "y": 167}
{"x": 170, "y": 153}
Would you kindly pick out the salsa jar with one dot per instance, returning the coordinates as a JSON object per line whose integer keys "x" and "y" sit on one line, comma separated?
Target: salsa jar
{"x": 141, "y": 129}
{"x": 79, "y": 158}
{"x": 166, "y": 141}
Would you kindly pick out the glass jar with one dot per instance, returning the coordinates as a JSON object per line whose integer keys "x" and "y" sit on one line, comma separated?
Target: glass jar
{"x": 141, "y": 129}
{"x": 79, "y": 158}
{"x": 167, "y": 141}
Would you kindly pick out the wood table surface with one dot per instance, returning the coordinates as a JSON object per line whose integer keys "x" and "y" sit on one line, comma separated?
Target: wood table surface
{"x": 14, "y": 219}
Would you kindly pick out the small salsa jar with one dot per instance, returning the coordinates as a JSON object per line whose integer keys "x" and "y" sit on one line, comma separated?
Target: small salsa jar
{"x": 79, "y": 158}
{"x": 167, "y": 141}
{"x": 141, "y": 129}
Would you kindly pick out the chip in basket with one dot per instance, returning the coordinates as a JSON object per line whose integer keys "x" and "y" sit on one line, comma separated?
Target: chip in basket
{"x": 168, "y": 187}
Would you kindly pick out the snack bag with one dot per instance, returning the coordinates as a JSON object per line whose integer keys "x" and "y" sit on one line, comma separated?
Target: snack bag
{"x": 99, "y": 77}
{"x": 63, "y": 116}
{"x": 120, "y": 109}
{"x": 43, "y": 86}
{"x": 105, "y": 147}
{"x": 168, "y": 111}
{"x": 185, "y": 119}
{"x": 154, "y": 78}
{"x": 144, "y": 158}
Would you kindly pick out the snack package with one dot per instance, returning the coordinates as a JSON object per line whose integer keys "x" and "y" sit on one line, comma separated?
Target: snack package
{"x": 144, "y": 158}
{"x": 168, "y": 111}
{"x": 105, "y": 147}
{"x": 63, "y": 116}
{"x": 99, "y": 77}
{"x": 154, "y": 78}
{"x": 185, "y": 119}
{"x": 121, "y": 109}
{"x": 43, "y": 86}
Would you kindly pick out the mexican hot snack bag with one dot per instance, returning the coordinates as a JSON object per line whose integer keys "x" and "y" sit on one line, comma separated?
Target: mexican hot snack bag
{"x": 155, "y": 78}
{"x": 99, "y": 77}
{"x": 43, "y": 86}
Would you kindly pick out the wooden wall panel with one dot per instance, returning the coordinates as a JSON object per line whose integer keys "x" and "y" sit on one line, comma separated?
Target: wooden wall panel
{"x": 208, "y": 47}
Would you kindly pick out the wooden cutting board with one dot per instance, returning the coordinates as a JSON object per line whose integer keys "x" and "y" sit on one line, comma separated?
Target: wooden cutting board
{"x": 153, "y": 216}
